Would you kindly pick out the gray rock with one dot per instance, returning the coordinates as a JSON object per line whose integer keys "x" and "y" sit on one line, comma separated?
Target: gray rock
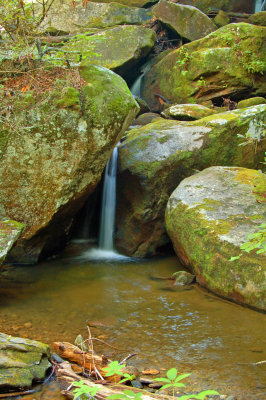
{"x": 189, "y": 22}
{"x": 22, "y": 361}
{"x": 10, "y": 231}
{"x": 208, "y": 217}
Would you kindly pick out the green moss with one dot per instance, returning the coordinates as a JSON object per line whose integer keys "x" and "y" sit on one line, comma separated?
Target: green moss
{"x": 162, "y": 139}
{"x": 70, "y": 98}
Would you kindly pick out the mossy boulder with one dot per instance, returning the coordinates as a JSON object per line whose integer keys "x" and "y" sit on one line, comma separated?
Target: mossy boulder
{"x": 187, "y": 112}
{"x": 221, "y": 19}
{"x": 228, "y": 62}
{"x": 64, "y": 17}
{"x": 53, "y": 152}
{"x": 254, "y": 101}
{"x": 10, "y": 231}
{"x": 22, "y": 361}
{"x": 188, "y": 22}
{"x": 118, "y": 48}
{"x": 155, "y": 158}
{"x": 242, "y": 6}
{"x": 258, "y": 18}
{"x": 208, "y": 217}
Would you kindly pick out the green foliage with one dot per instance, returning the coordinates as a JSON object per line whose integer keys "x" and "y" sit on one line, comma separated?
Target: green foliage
{"x": 82, "y": 388}
{"x": 127, "y": 377}
{"x": 126, "y": 395}
{"x": 256, "y": 240}
{"x": 201, "y": 82}
{"x": 199, "y": 396}
{"x": 114, "y": 368}
{"x": 172, "y": 380}
{"x": 183, "y": 58}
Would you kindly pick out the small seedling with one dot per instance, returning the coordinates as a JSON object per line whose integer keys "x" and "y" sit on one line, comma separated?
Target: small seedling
{"x": 114, "y": 368}
{"x": 172, "y": 380}
{"x": 82, "y": 388}
{"x": 127, "y": 377}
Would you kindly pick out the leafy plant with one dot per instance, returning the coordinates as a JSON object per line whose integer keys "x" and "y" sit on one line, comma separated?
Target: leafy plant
{"x": 200, "y": 396}
{"x": 183, "y": 59}
{"x": 172, "y": 380}
{"x": 126, "y": 395}
{"x": 114, "y": 368}
{"x": 201, "y": 82}
{"x": 127, "y": 377}
{"x": 82, "y": 388}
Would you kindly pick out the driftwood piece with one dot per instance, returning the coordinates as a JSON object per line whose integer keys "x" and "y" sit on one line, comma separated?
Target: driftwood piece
{"x": 88, "y": 361}
{"x": 65, "y": 376}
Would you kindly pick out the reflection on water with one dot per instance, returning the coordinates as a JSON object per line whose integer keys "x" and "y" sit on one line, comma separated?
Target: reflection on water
{"x": 189, "y": 329}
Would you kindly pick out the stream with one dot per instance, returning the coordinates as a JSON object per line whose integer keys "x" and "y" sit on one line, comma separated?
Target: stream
{"x": 129, "y": 307}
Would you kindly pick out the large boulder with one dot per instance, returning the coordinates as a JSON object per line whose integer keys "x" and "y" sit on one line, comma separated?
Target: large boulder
{"x": 187, "y": 112}
{"x": 242, "y": 6}
{"x": 118, "y": 48}
{"x": 155, "y": 158}
{"x": 22, "y": 361}
{"x": 228, "y": 62}
{"x": 10, "y": 231}
{"x": 53, "y": 149}
{"x": 188, "y": 22}
{"x": 208, "y": 217}
{"x": 76, "y": 19}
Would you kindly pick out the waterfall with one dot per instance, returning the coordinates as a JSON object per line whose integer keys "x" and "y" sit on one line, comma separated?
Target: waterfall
{"x": 260, "y": 5}
{"x": 108, "y": 204}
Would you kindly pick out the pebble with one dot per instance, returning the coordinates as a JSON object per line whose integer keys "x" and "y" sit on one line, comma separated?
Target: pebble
{"x": 28, "y": 324}
{"x": 137, "y": 384}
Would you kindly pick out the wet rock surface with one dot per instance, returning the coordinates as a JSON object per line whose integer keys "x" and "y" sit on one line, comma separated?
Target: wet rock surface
{"x": 10, "y": 231}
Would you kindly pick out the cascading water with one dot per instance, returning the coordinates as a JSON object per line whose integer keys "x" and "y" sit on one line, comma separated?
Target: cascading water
{"x": 106, "y": 241}
{"x": 260, "y": 5}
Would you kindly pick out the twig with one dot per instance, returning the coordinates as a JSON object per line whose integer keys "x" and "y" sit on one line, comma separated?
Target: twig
{"x": 92, "y": 355}
{"x": 128, "y": 357}
{"x": 107, "y": 344}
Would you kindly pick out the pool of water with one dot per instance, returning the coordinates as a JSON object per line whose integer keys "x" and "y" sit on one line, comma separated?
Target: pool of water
{"x": 131, "y": 308}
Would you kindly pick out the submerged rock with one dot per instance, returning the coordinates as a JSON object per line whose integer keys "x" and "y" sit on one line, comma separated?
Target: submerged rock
{"x": 10, "y": 231}
{"x": 53, "y": 153}
{"x": 77, "y": 19}
{"x": 228, "y": 62}
{"x": 118, "y": 48}
{"x": 155, "y": 158}
{"x": 188, "y": 22}
{"x": 208, "y": 217}
{"x": 22, "y": 361}
{"x": 183, "y": 278}
{"x": 187, "y": 112}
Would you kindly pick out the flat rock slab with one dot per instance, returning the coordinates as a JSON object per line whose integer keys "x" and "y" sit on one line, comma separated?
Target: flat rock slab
{"x": 10, "y": 231}
{"x": 77, "y": 19}
{"x": 188, "y": 112}
{"x": 208, "y": 217}
{"x": 22, "y": 361}
{"x": 189, "y": 22}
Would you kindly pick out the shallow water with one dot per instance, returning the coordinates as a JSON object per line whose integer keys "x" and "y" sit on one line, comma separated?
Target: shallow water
{"x": 128, "y": 307}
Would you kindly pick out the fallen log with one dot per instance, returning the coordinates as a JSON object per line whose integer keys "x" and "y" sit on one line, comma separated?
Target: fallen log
{"x": 65, "y": 377}
{"x": 89, "y": 361}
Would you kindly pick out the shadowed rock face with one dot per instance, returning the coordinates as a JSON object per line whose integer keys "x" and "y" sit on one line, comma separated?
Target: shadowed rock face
{"x": 155, "y": 158}
{"x": 53, "y": 155}
{"x": 208, "y": 217}
{"x": 22, "y": 361}
{"x": 227, "y": 62}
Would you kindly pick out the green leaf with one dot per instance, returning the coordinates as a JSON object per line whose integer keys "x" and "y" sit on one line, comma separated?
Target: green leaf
{"x": 166, "y": 386}
{"x": 202, "y": 395}
{"x": 178, "y": 384}
{"x": 162, "y": 380}
{"x": 171, "y": 374}
{"x": 180, "y": 377}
